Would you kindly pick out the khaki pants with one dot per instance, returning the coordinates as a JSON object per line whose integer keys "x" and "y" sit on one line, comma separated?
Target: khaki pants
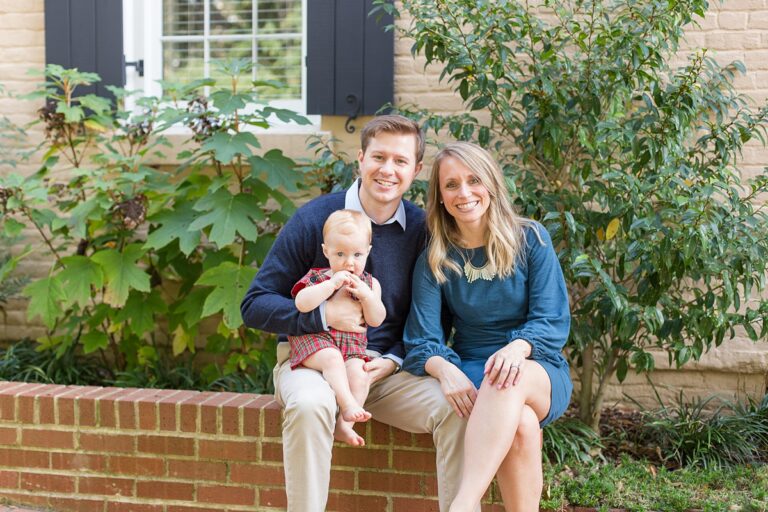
{"x": 410, "y": 403}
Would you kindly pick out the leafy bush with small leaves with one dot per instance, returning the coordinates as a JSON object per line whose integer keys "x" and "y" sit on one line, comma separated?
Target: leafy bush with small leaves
{"x": 630, "y": 164}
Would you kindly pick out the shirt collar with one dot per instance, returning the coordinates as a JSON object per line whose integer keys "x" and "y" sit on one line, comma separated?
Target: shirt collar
{"x": 352, "y": 202}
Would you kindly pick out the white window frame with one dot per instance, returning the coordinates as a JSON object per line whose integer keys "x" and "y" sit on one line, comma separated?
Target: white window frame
{"x": 143, "y": 40}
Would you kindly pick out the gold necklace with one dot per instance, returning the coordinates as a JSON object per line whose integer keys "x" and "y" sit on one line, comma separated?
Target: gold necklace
{"x": 473, "y": 273}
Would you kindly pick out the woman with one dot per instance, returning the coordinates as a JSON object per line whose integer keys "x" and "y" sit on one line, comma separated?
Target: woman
{"x": 495, "y": 279}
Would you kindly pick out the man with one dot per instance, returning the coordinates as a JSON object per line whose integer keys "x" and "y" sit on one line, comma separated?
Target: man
{"x": 390, "y": 158}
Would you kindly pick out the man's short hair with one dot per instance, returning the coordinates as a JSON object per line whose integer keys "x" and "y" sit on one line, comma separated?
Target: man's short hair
{"x": 395, "y": 124}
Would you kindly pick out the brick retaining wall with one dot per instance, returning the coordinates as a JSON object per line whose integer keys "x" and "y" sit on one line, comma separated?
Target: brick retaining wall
{"x": 95, "y": 449}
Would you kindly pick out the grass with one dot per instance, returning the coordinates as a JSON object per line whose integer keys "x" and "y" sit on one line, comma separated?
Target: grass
{"x": 640, "y": 486}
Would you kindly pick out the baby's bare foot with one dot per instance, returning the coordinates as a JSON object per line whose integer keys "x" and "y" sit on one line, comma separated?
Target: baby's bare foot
{"x": 346, "y": 434}
{"x": 355, "y": 413}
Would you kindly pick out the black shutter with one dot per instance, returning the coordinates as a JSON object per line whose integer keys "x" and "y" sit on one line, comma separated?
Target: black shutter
{"x": 87, "y": 35}
{"x": 350, "y": 58}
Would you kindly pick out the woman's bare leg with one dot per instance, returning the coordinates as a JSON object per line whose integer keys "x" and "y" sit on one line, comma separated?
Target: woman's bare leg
{"x": 491, "y": 430}
{"x": 359, "y": 384}
{"x": 521, "y": 476}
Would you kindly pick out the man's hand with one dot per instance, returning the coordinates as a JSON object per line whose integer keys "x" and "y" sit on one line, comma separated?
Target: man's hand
{"x": 344, "y": 314}
{"x": 379, "y": 368}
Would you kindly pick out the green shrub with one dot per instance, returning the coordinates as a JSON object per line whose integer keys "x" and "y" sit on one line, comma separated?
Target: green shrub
{"x": 142, "y": 256}
{"x": 632, "y": 166}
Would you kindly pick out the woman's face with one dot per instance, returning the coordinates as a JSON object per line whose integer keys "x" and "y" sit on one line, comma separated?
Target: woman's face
{"x": 465, "y": 198}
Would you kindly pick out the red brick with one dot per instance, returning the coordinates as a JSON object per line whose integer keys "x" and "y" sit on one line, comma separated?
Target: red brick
{"x": 126, "y": 412}
{"x": 380, "y": 433}
{"x": 401, "y": 438}
{"x": 52, "y": 483}
{"x": 8, "y": 436}
{"x": 65, "y": 410}
{"x": 360, "y": 457}
{"x": 165, "y": 490}
{"x": 8, "y": 407}
{"x": 118, "y": 443}
{"x": 228, "y": 450}
{"x": 9, "y": 479}
{"x": 48, "y": 438}
{"x": 209, "y": 413}
{"x": 169, "y": 406}
{"x": 166, "y": 445}
{"x": 147, "y": 415}
{"x": 423, "y": 441}
{"x": 256, "y": 474}
{"x": 272, "y": 452}
{"x": 189, "y": 410}
{"x": 8, "y": 387}
{"x": 273, "y": 420}
{"x": 355, "y": 502}
{"x": 106, "y": 486}
{"x": 386, "y": 482}
{"x": 105, "y": 412}
{"x": 177, "y": 508}
{"x": 408, "y": 460}
{"x": 414, "y": 505}
{"x": 79, "y": 504}
{"x": 116, "y": 506}
{"x": 342, "y": 480}
{"x": 252, "y": 412}
{"x": 272, "y": 498}
{"x": 194, "y": 470}
{"x": 88, "y": 402}
{"x": 46, "y": 404}
{"x": 10, "y": 457}
{"x": 78, "y": 462}
{"x": 226, "y": 494}
{"x": 230, "y": 414}
{"x": 140, "y": 466}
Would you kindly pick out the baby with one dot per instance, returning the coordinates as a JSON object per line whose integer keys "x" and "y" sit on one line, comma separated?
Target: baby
{"x": 340, "y": 355}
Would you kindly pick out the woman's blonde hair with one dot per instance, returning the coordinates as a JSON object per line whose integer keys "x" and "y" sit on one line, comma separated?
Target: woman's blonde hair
{"x": 505, "y": 238}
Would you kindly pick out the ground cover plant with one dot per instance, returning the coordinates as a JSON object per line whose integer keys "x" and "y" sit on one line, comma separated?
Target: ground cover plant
{"x": 632, "y": 165}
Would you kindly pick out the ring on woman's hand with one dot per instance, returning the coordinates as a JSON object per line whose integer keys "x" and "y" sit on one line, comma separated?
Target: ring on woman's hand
{"x": 516, "y": 366}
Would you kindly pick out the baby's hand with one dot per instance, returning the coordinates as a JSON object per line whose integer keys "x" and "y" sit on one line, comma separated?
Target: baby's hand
{"x": 359, "y": 289}
{"x": 341, "y": 278}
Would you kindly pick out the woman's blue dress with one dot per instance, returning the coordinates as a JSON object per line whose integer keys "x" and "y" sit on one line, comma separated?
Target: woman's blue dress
{"x": 532, "y": 304}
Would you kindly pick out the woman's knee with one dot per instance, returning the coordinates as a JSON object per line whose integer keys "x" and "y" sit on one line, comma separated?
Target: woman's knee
{"x": 528, "y": 435}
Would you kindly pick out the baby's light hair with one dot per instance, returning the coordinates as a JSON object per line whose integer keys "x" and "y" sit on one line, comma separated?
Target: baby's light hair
{"x": 347, "y": 222}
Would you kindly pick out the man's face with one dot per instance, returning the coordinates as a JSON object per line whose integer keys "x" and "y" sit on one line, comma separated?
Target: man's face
{"x": 387, "y": 169}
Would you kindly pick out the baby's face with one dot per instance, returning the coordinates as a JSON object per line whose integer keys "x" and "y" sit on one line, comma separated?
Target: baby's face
{"x": 347, "y": 251}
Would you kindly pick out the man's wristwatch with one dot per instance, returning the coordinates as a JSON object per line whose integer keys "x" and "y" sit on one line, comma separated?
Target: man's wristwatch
{"x": 397, "y": 367}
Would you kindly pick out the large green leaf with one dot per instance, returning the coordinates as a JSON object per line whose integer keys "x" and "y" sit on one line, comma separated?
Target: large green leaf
{"x": 122, "y": 273}
{"x": 173, "y": 224}
{"x": 230, "y": 283}
{"x": 278, "y": 170}
{"x": 93, "y": 341}
{"x": 228, "y": 215}
{"x": 45, "y": 296}
{"x": 226, "y": 145}
{"x": 140, "y": 310}
{"x": 78, "y": 276}
{"x": 191, "y": 306}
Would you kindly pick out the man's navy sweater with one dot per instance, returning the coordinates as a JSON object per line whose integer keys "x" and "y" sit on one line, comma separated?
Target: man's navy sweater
{"x": 268, "y": 304}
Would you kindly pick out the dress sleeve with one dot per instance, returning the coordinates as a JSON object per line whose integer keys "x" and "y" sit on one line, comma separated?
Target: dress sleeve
{"x": 549, "y": 320}
{"x": 424, "y": 334}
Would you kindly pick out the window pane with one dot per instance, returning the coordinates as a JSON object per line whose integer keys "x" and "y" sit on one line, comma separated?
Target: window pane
{"x": 279, "y": 16}
{"x": 226, "y": 51}
{"x": 231, "y": 17}
{"x": 182, "y": 61}
{"x": 280, "y": 59}
{"x": 183, "y": 17}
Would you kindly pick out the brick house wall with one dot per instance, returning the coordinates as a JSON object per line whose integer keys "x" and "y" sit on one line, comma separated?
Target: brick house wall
{"x": 733, "y": 30}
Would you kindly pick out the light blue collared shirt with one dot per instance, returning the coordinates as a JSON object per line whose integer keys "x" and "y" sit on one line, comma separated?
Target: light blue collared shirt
{"x": 352, "y": 202}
